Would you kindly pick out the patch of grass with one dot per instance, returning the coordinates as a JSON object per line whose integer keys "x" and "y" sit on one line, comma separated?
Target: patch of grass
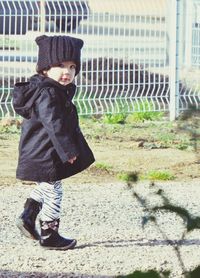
{"x": 183, "y": 146}
{"x": 115, "y": 118}
{"x": 103, "y": 166}
{"x": 163, "y": 134}
{"x": 119, "y": 112}
{"x": 167, "y": 137}
{"x": 144, "y": 111}
{"x": 152, "y": 175}
{"x": 145, "y": 116}
{"x": 158, "y": 175}
{"x": 13, "y": 129}
{"x": 128, "y": 176}
{"x": 10, "y": 125}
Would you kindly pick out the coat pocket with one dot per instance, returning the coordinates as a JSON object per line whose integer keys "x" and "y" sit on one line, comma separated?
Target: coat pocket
{"x": 86, "y": 157}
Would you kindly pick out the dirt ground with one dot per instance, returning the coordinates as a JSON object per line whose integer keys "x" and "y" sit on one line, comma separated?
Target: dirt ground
{"x": 144, "y": 147}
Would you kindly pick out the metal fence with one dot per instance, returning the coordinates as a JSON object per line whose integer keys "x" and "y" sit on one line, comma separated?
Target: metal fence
{"x": 139, "y": 55}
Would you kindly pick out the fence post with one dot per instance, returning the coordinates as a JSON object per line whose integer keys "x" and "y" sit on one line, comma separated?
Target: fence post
{"x": 174, "y": 58}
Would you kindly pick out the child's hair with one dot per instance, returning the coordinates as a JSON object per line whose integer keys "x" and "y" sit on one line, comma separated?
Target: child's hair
{"x": 54, "y": 50}
{"x": 41, "y": 72}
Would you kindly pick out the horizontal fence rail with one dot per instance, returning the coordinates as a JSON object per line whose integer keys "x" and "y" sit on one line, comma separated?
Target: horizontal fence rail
{"x": 126, "y": 59}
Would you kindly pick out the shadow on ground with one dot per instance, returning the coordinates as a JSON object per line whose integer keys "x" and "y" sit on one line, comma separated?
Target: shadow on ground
{"x": 141, "y": 242}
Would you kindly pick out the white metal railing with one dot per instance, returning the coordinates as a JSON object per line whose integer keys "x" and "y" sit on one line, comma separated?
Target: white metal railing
{"x": 189, "y": 63}
{"x": 129, "y": 59}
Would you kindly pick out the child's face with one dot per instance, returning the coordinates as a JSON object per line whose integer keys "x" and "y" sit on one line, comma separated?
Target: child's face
{"x": 63, "y": 73}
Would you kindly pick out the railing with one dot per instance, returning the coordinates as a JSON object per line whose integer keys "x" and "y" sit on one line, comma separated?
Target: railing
{"x": 129, "y": 56}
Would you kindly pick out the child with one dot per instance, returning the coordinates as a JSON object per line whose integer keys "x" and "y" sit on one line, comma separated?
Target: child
{"x": 51, "y": 146}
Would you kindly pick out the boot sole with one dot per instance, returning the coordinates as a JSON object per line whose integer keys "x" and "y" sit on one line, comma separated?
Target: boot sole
{"x": 24, "y": 231}
{"x": 70, "y": 246}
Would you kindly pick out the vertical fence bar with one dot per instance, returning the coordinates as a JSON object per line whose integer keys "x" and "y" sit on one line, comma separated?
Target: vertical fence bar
{"x": 188, "y": 33}
{"x": 174, "y": 59}
{"x": 42, "y": 16}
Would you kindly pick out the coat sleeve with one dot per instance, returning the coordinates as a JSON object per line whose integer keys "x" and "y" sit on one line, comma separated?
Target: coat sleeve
{"x": 55, "y": 123}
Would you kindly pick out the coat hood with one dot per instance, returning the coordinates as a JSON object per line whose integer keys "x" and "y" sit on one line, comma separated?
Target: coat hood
{"x": 26, "y": 93}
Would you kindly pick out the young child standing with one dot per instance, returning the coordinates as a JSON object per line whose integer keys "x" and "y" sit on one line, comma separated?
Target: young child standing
{"x": 52, "y": 146}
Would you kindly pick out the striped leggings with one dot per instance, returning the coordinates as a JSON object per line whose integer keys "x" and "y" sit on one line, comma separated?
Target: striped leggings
{"x": 50, "y": 195}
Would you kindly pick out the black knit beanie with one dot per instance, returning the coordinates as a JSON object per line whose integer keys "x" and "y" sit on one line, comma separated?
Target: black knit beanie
{"x": 54, "y": 50}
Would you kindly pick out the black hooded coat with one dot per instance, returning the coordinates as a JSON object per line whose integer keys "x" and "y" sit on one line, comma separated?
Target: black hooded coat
{"x": 50, "y": 134}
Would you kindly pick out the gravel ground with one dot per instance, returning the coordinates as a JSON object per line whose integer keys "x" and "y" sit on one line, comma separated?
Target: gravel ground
{"x": 106, "y": 220}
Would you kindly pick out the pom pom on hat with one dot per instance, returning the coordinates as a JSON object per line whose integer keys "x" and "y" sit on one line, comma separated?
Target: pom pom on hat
{"x": 54, "y": 50}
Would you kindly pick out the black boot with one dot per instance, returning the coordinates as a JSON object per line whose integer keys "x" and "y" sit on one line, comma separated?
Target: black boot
{"x": 50, "y": 238}
{"x": 26, "y": 221}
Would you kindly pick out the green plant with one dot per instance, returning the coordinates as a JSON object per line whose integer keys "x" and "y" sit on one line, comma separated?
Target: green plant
{"x": 158, "y": 175}
{"x": 183, "y": 146}
{"x": 119, "y": 112}
{"x": 144, "y": 110}
{"x": 167, "y": 138}
{"x": 9, "y": 125}
{"x": 115, "y": 118}
{"x": 102, "y": 166}
{"x": 128, "y": 176}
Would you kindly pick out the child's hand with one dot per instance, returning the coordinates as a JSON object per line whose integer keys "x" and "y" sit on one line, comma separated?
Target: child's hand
{"x": 71, "y": 160}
